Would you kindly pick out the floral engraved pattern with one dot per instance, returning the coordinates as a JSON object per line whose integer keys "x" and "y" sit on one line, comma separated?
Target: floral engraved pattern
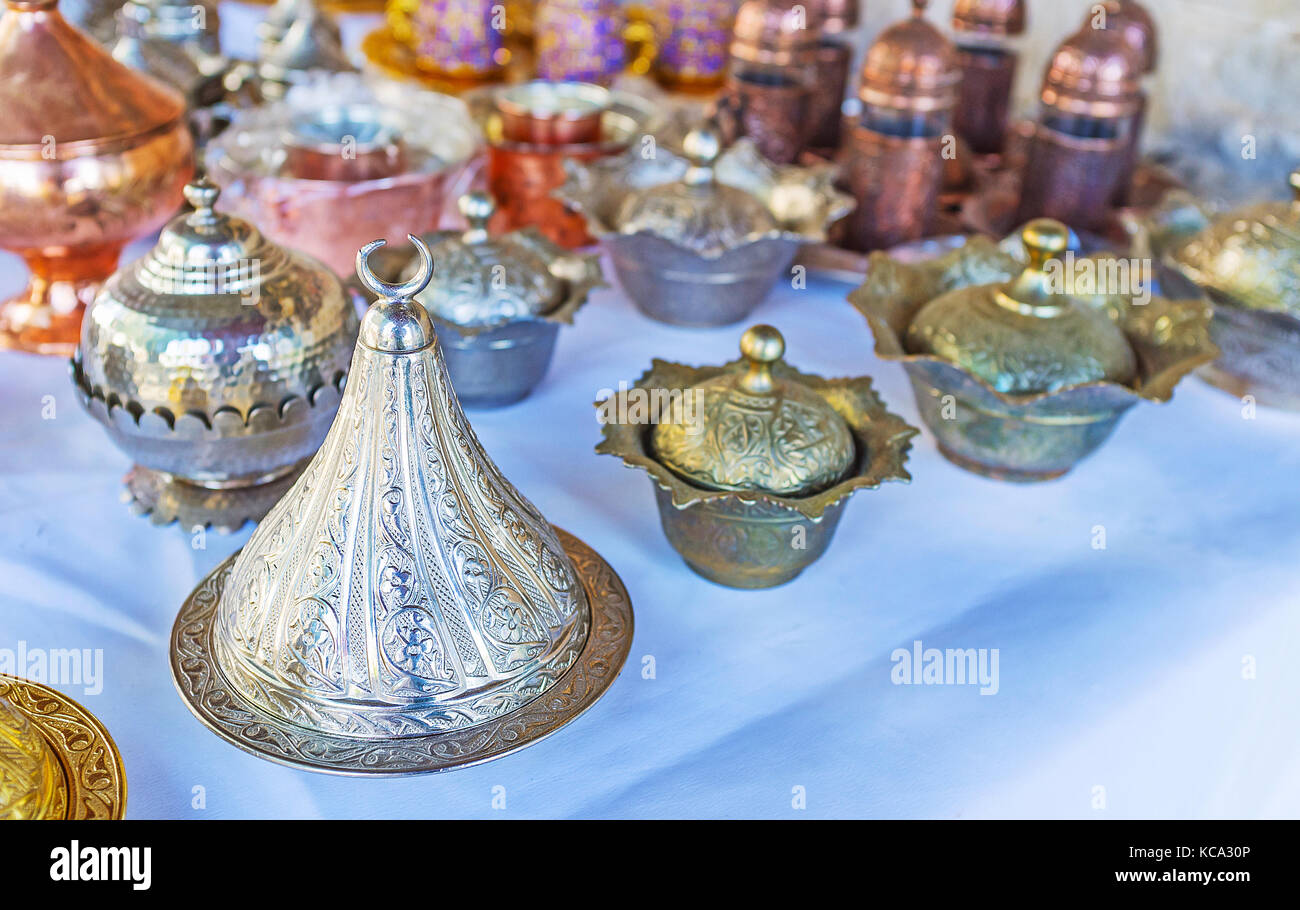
{"x": 263, "y": 729}
{"x": 402, "y": 587}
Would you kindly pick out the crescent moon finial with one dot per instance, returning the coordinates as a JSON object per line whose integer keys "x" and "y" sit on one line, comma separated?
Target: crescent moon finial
{"x": 404, "y": 291}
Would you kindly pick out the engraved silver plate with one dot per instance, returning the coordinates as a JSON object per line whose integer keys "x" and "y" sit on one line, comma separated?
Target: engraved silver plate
{"x": 214, "y": 701}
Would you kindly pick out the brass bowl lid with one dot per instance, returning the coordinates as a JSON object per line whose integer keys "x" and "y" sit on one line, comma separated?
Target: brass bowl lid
{"x": 698, "y": 211}
{"x": 484, "y": 280}
{"x": 1094, "y": 73}
{"x": 911, "y": 66}
{"x": 1029, "y": 335}
{"x": 1136, "y": 24}
{"x": 775, "y": 32}
{"x": 56, "y": 759}
{"x": 993, "y": 18}
{"x": 1251, "y": 256}
{"x": 57, "y": 81}
{"x": 753, "y": 430}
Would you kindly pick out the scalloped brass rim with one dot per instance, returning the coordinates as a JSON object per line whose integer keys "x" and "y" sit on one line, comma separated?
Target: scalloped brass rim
{"x": 883, "y": 440}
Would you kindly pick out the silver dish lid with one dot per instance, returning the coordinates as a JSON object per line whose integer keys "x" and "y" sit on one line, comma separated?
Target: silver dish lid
{"x": 484, "y": 280}
{"x": 697, "y": 212}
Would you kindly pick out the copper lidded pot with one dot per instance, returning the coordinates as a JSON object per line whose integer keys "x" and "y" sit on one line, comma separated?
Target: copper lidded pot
{"x": 1138, "y": 28}
{"x": 984, "y": 31}
{"x": 894, "y": 159}
{"x": 834, "y": 56}
{"x": 92, "y": 155}
{"x": 771, "y": 89}
{"x": 1091, "y": 106}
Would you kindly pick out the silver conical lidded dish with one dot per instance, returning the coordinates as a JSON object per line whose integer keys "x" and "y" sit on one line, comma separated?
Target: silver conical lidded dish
{"x": 403, "y": 609}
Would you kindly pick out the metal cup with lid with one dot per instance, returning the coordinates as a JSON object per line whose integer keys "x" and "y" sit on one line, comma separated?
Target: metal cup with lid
{"x": 700, "y": 238}
{"x": 1248, "y": 262}
{"x": 215, "y": 362}
{"x": 1018, "y": 376}
{"x": 499, "y": 302}
{"x": 752, "y": 461}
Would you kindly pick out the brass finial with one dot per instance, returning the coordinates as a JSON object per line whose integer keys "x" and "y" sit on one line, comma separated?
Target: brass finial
{"x": 702, "y": 146}
{"x": 1044, "y": 240}
{"x": 762, "y": 346}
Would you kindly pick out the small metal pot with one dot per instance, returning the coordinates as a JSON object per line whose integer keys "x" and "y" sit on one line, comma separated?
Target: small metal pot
{"x": 498, "y": 303}
{"x": 701, "y": 239}
{"x": 753, "y": 509}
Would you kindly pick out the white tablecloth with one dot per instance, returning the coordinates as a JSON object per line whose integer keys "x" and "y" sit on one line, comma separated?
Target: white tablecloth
{"x": 1155, "y": 677}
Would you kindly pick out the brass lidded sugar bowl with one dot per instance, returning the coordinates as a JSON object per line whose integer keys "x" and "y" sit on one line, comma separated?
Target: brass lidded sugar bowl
{"x": 700, "y": 239}
{"x": 753, "y": 461}
{"x": 1248, "y": 262}
{"x": 498, "y": 303}
{"x": 1019, "y": 377}
{"x": 57, "y": 762}
{"x": 403, "y": 609}
{"x": 92, "y": 155}
{"x": 216, "y": 362}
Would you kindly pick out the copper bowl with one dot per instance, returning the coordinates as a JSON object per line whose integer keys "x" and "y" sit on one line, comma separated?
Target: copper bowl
{"x": 552, "y": 113}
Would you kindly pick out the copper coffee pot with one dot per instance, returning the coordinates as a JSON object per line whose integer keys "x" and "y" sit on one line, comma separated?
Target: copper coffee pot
{"x": 895, "y": 155}
{"x": 1079, "y": 156}
{"x": 772, "y": 93}
{"x": 1138, "y": 29}
{"x": 92, "y": 155}
{"x": 984, "y": 32}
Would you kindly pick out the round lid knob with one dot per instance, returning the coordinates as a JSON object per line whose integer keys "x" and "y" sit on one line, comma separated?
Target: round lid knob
{"x": 477, "y": 208}
{"x": 748, "y": 428}
{"x": 762, "y": 346}
{"x": 1295, "y": 184}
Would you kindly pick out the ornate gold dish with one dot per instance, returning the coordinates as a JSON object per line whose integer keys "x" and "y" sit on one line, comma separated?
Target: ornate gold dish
{"x": 1248, "y": 262}
{"x": 56, "y": 759}
{"x": 339, "y": 159}
{"x": 752, "y": 462}
{"x": 1017, "y": 378}
{"x": 498, "y": 303}
{"x": 403, "y": 609}
{"x": 92, "y": 155}
{"x": 700, "y": 238}
{"x": 216, "y": 362}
